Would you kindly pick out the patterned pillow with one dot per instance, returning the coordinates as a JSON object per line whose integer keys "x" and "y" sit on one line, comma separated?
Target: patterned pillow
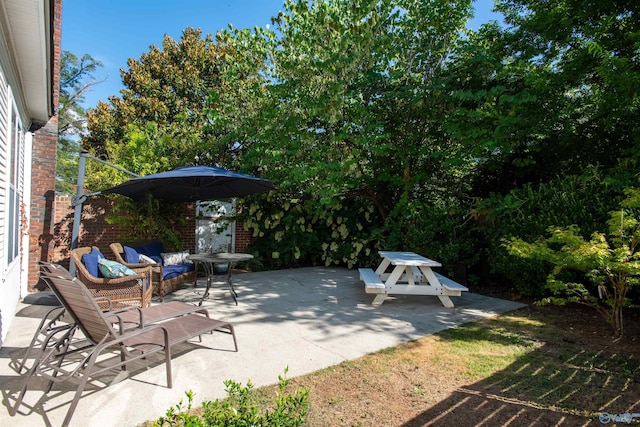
{"x": 112, "y": 269}
{"x": 175, "y": 258}
{"x": 146, "y": 260}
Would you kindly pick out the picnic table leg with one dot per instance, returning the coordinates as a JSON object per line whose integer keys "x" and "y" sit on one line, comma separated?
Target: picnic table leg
{"x": 379, "y": 299}
{"x": 383, "y": 266}
{"x": 446, "y": 301}
{"x": 433, "y": 281}
{"x": 391, "y": 281}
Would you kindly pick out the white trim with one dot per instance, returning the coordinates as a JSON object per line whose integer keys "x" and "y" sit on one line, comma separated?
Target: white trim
{"x": 26, "y": 198}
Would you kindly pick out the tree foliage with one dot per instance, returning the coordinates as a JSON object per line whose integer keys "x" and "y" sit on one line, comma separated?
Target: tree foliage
{"x": 553, "y": 90}
{"x": 349, "y": 121}
{"x": 76, "y": 79}
{"x": 159, "y": 121}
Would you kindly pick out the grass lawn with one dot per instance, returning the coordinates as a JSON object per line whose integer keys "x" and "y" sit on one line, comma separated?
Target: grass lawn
{"x": 535, "y": 366}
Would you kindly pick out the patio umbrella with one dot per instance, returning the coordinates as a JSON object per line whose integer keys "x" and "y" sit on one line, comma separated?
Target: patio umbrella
{"x": 192, "y": 183}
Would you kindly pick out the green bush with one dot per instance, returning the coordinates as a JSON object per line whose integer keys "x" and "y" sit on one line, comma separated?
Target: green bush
{"x": 528, "y": 212}
{"x": 300, "y": 231}
{"x": 239, "y": 409}
{"x": 609, "y": 262}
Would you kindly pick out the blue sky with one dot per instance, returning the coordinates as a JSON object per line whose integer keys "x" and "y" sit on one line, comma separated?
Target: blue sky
{"x": 113, "y": 31}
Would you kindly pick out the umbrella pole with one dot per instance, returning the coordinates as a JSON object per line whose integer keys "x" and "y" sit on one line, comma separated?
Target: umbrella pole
{"x": 77, "y": 212}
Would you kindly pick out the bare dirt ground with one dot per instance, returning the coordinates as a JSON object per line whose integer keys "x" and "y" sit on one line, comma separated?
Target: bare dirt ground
{"x": 571, "y": 372}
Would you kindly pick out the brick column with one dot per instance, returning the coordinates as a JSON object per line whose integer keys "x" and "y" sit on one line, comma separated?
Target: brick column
{"x": 43, "y": 181}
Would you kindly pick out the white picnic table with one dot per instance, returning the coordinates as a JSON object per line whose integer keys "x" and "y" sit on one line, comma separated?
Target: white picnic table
{"x": 407, "y": 273}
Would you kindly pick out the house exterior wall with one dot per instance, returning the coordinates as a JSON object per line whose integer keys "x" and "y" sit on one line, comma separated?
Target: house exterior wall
{"x": 29, "y": 83}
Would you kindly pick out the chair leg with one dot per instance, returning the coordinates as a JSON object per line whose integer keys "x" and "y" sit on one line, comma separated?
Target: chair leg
{"x": 83, "y": 382}
{"x": 46, "y": 327}
{"x": 233, "y": 334}
{"x": 47, "y": 351}
{"x": 62, "y": 347}
{"x": 167, "y": 361}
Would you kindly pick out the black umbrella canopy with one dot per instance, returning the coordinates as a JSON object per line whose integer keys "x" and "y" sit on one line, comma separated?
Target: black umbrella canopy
{"x": 192, "y": 183}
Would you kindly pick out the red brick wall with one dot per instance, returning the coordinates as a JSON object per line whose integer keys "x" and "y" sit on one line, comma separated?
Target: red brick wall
{"x": 95, "y": 231}
{"x": 243, "y": 237}
{"x": 45, "y": 141}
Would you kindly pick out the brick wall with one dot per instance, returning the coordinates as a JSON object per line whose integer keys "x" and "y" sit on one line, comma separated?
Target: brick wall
{"x": 243, "y": 237}
{"x": 95, "y": 231}
{"x": 45, "y": 141}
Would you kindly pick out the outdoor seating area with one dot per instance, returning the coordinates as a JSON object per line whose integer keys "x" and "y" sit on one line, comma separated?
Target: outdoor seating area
{"x": 304, "y": 319}
{"x": 133, "y": 333}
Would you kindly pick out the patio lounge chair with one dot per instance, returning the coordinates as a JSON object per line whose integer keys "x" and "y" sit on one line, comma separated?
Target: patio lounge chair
{"x": 60, "y": 362}
{"x": 55, "y": 321}
{"x": 135, "y": 290}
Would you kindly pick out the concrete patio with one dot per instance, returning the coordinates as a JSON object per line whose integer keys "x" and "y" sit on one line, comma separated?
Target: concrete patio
{"x": 304, "y": 319}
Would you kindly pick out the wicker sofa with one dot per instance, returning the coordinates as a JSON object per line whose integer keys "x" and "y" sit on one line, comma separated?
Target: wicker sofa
{"x": 166, "y": 278}
{"x": 121, "y": 291}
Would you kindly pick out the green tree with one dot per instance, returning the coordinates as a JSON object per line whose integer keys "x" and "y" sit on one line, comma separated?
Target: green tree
{"x": 553, "y": 90}
{"x": 76, "y": 79}
{"x": 349, "y": 121}
{"x": 159, "y": 121}
{"x": 539, "y": 104}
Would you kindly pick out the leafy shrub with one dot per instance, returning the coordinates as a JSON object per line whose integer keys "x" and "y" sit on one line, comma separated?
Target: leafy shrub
{"x": 610, "y": 262}
{"x": 528, "y": 212}
{"x": 301, "y": 231}
{"x": 150, "y": 219}
{"x": 238, "y": 410}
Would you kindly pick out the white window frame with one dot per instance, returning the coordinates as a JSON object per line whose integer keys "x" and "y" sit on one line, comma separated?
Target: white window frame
{"x": 16, "y": 184}
{"x": 12, "y": 143}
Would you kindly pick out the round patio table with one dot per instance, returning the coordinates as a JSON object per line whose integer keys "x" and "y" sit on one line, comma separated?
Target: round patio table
{"x": 209, "y": 260}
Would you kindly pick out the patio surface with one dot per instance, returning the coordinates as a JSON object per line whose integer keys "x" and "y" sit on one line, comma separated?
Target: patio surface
{"x": 304, "y": 319}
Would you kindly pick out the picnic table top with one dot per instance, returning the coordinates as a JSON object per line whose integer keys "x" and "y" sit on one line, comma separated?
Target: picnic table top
{"x": 408, "y": 258}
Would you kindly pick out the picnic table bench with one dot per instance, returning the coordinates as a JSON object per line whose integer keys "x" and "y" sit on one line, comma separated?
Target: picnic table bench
{"x": 410, "y": 274}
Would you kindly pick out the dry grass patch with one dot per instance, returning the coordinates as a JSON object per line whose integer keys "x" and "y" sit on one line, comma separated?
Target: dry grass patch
{"x": 543, "y": 366}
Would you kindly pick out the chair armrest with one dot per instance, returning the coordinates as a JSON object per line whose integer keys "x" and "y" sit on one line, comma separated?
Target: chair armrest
{"x": 117, "y": 250}
{"x": 105, "y": 300}
{"x": 116, "y": 314}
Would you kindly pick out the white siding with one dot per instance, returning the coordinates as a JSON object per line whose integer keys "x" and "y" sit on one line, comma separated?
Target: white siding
{"x": 12, "y": 182}
{"x": 4, "y": 162}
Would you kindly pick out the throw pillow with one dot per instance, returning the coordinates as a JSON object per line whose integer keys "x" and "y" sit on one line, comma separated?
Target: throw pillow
{"x": 130, "y": 255}
{"x": 175, "y": 258}
{"x": 146, "y": 260}
{"x": 90, "y": 262}
{"x": 113, "y": 269}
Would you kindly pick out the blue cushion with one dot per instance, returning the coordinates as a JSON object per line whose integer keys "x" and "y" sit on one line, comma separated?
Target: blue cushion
{"x": 151, "y": 250}
{"x": 131, "y": 256}
{"x": 171, "y": 271}
{"x": 112, "y": 269}
{"x": 156, "y": 258}
{"x": 90, "y": 262}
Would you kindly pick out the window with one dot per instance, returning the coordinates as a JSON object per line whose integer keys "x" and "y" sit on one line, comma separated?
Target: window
{"x": 12, "y": 146}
